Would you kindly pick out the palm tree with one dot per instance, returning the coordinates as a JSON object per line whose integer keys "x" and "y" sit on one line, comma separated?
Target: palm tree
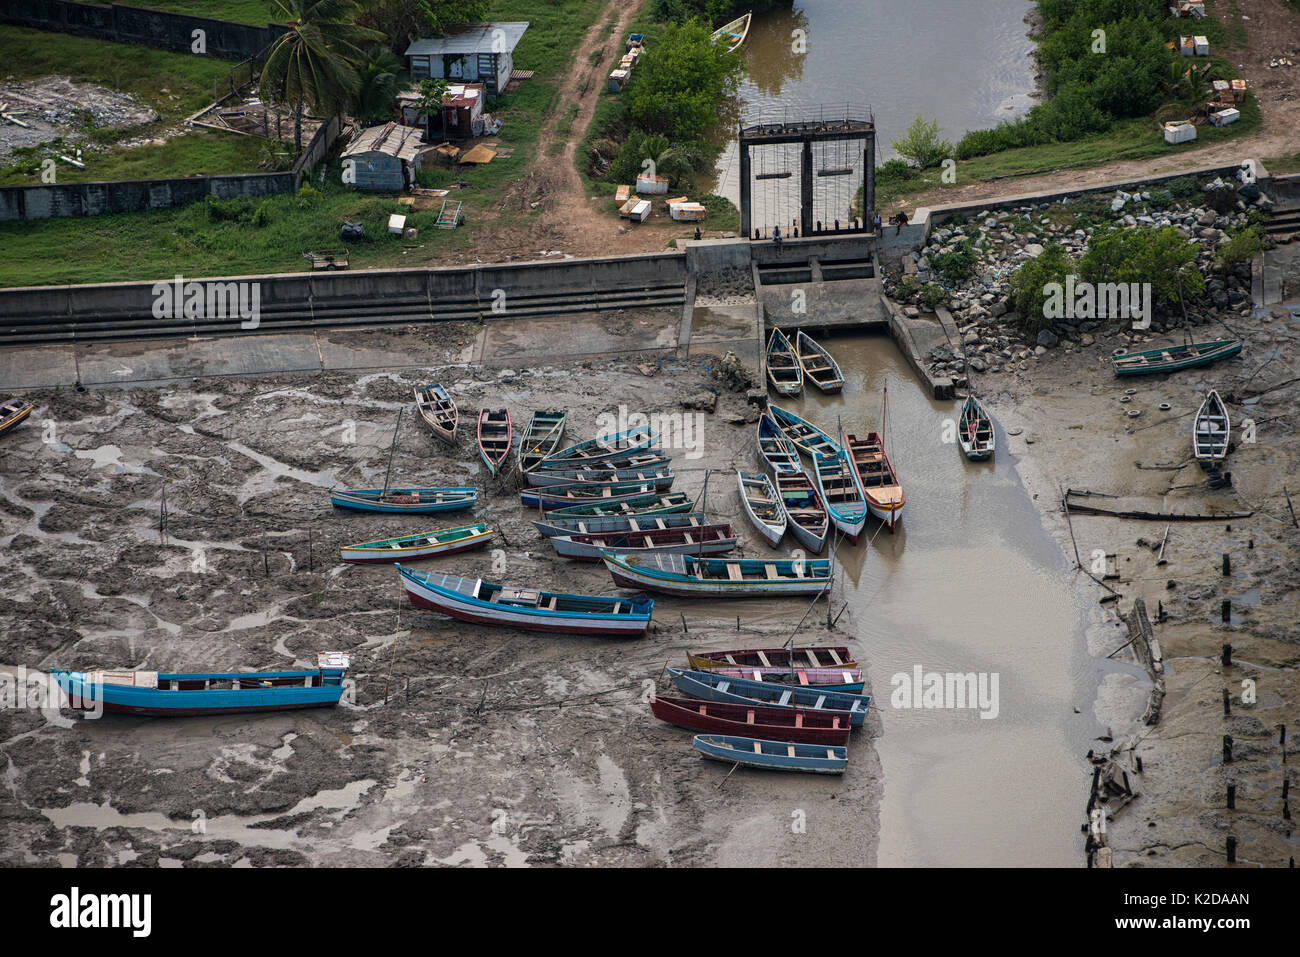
{"x": 378, "y": 85}
{"x": 313, "y": 63}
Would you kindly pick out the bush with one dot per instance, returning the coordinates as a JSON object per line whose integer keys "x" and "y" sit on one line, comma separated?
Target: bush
{"x": 922, "y": 146}
{"x": 1029, "y": 283}
{"x": 895, "y": 171}
{"x": 1162, "y": 257}
{"x": 1161, "y": 199}
{"x": 225, "y": 210}
{"x": 955, "y": 266}
{"x": 1241, "y": 247}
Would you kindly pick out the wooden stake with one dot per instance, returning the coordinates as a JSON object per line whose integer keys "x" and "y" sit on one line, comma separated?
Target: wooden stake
{"x": 729, "y": 774}
{"x": 1290, "y": 508}
{"x": 266, "y": 564}
{"x": 1160, "y": 559}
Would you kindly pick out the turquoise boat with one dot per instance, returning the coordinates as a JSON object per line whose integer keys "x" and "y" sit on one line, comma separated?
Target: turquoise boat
{"x": 837, "y": 483}
{"x": 773, "y": 755}
{"x": 807, "y": 438}
{"x": 708, "y": 686}
{"x": 405, "y": 500}
{"x": 1173, "y": 358}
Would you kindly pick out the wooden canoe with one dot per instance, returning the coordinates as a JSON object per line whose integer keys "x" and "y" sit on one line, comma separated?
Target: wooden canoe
{"x": 876, "y": 478}
{"x": 975, "y": 431}
{"x": 12, "y": 414}
{"x": 807, "y": 438}
{"x": 837, "y": 484}
{"x": 584, "y": 493}
{"x": 762, "y": 505}
{"x": 438, "y": 410}
{"x": 710, "y": 687}
{"x": 775, "y": 448}
{"x": 1173, "y": 358}
{"x": 757, "y": 720}
{"x": 661, "y": 478}
{"x": 411, "y": 548}
{"x": 620, "y": 445}
{"x": 819, "y": 367}
{"x": 484, "y": 603}
{"x": 848, "y": 680}
{"x": 687, "y": 540}
{"x": 409, "y": 500}
{"x": 581, "y": 525}
{"x": 805, "y": 512}
{"x": 1212, "y": 432}
{"x": 688, "y": 577}
{"x": 812, "y": 656}
{"x": 494, "y": 436}
{"x": 732, "y": 35}
{"x": 541, "y": 438}
{"x": 783, "y": 369}
{"x": 772, "y": 755}
{"x": 669, "y": 504}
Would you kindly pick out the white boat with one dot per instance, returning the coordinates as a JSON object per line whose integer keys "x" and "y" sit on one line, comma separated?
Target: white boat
{"x": 763, "y": 506}
{"x": 1212, "y": 431}
{"x": 733, "y": 34}
{"x": 805, "y": 513}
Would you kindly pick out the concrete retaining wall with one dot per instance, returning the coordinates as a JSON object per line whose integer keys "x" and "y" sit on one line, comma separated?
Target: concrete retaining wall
{"x": 129, "y": 196}
{"x": 126, "y": 24}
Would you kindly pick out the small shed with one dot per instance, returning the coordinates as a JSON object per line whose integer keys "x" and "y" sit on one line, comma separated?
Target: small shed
{"x": 469, "y": 53}
{"x": 385, "y": 157}
{"x": 461, "y": 115}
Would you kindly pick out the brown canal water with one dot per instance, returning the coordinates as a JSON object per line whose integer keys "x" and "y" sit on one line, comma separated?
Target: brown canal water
{"x": 970, "y": 582}
{"x": 963, "y": 62}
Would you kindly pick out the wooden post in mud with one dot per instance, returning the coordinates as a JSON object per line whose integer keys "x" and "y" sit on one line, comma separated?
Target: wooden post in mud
{"x": 1226, "y": 658}
{"x": 162, "y": 517}
{"x": 1227, "y": 565}
{"x": 266, "y": 563}
{"x": 1290, "y": 508}
{"x": 1225, "y": 611}
{"x": 311, "y": 552}
{"x": 1227, "y": 703}
{"x": 1227, "y": 749}
{"x": 1232, "y": 797}
{"x": 1282, "y": 740}
{"x": 1232, "y": 849}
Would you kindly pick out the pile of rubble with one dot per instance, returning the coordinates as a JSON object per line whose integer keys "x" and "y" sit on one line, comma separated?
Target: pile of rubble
{"x": 53, "y": 107}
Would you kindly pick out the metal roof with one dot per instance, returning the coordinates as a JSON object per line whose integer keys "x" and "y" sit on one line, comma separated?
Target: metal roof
{"x": 470, "y": 38}
{"x": 391, "y": 139}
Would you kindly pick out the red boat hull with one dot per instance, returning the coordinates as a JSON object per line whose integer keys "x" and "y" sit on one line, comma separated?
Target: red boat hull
{"x": 795, "y": 724}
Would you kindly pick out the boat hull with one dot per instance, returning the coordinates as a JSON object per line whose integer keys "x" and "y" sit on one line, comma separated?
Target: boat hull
{"x": 376, "y": 556}
{"x": 366, "y": 503}
{"x": 710, "y": 687}
{"x": 125, "y": 699}
{"x": 610, "y": 526}
{"x": 642, "y": 579}
{"x": 768, "y": 757}
{"x": 770, "y": 723}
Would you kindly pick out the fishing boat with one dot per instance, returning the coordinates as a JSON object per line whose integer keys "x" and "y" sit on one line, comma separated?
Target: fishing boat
{"x": 1211, "y": 433}
{"x": 848, "y": 680}
{"x": 180, "y": 694}
{"x": 541, "y": 438}
{"x": 672, "y": 503}
{"x": 613, "y": 525}
{"x": 1173, "y": 358}
{"x": 494, "y": 436}
{"x": 804, "y": 510}
{"x": 807, "y": 438}
{"x": 975, "y": 431}
{"x": 584, "y": 493}
{"x": 12, "y": 414}
{"x": 819, "y": 367}
{"x": 763, "y": 721}
{"x": 707, "y": 686}
{"x": 621, "y": 445}
{"x": 697, "y": 540}
{"x": 690, "y": 577}
{"x": 775, "y": 448}
{"x": 733, "y": 34}
{"x": 783, "y": 369}
{"x": 813, "y": 656}
{"x": 438, "y": 410}
{"x": 472, "y": 599}
{"x": 773, "y": 755}
{"x": 763, "y": 506}
{"x": 837, "y": 484}
{"x": 661, "y": 478}
{"x": 650, "y": 459}
{"x": 411, "y": 548}
{"x": 409, "y": 500}
{"x": 877, "y": 479}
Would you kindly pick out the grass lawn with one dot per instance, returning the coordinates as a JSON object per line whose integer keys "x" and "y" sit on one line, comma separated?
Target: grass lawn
{"x": 257, "y": 12}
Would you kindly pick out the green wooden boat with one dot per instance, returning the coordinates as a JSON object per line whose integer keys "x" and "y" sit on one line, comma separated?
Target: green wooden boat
{"x": 1173, "y": 358}
{"x": 675, "y": 503}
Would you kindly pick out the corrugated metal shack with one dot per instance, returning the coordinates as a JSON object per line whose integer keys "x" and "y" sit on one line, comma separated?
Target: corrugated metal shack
{"x": 385, "y": 157}
{"x": 470, "y": 52}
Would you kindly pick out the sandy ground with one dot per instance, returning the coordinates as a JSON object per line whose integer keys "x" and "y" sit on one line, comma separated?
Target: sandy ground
{"x": 465, "y": 745}
{"x": 1073, "y": 432}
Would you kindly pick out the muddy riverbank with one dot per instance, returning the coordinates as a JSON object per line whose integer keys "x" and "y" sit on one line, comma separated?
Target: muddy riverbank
{"x": 465, "y": 745}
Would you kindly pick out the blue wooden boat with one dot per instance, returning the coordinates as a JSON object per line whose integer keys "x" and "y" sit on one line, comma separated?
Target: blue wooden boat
{"x": 773, "y": 755}
{"x": 686, "y": 576}
{"x": 975, "y": 431}
{"x": 837, "y": 483}
{"x": 807, "y": 438}
{"x": 711, "y": 687}
{"x": 620, "y": 445}
{"x": 405, "y": 500}
{"x": 485, "y": 603}
{"x": 550, "y": 497}
{"x": 167, "y": 694}
{"x": 775, "y": 448}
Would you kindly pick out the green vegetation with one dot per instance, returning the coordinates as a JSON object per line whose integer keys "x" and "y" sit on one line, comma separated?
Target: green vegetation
{"x": 1162, "y": 257}
{"x": 958, "y": 265}
{"x": 1104, "y": 62}
{"x": 1241, "y": 246}
{"x": 922, "y": 145}
{"x": 716, "y": 12}
{"x": 257, "y": 12}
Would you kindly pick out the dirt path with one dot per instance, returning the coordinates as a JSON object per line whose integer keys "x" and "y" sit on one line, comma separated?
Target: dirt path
{"x": 569, "y": 220}
{"x": 1272, "y": 31}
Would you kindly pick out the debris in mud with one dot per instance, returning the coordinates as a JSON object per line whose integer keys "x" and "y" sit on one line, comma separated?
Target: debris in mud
{"x": 58, "y": 107}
